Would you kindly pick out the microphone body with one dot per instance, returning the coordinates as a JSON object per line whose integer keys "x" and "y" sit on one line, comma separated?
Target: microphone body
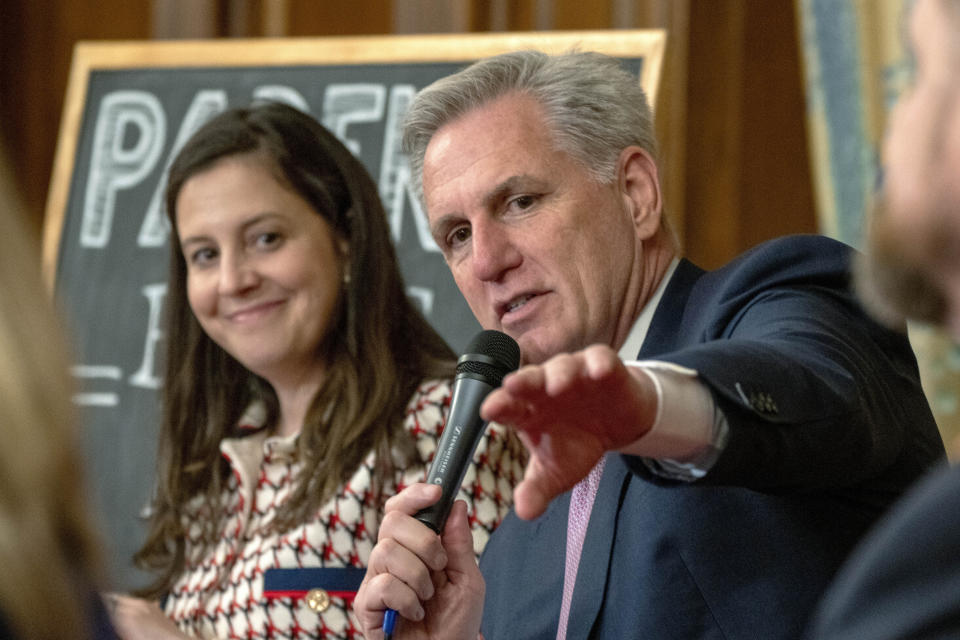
{"x": 489, "y": 357}
{"x": 459, "y": 440}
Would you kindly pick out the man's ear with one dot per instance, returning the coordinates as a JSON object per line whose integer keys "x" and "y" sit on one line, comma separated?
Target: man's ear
{"x": 639, "y": 183}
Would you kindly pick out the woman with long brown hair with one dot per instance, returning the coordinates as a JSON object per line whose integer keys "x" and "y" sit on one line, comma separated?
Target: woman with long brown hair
{"x": 302, "y": 389}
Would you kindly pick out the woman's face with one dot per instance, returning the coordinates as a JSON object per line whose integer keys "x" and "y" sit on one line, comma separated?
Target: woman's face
{"x": 264, "y": 270}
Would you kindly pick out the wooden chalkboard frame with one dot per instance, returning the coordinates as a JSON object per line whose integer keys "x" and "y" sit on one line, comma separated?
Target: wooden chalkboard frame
{"x": 89, "y": 56}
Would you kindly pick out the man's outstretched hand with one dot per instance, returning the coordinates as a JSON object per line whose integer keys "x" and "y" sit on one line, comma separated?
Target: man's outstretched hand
{"x": 569, "y": 411}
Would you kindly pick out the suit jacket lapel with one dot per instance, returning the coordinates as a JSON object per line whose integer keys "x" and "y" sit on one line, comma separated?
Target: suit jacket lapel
{"x": 588, "y": 594}
{"x": 663, "y": 332}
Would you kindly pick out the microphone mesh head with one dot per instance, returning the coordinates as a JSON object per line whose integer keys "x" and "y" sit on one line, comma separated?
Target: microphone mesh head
{"x": 490, "y": 345}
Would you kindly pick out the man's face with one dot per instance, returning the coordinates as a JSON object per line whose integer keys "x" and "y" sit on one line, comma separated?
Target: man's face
{"x": 914, "y": 237}
{"x": 539, "y": 249}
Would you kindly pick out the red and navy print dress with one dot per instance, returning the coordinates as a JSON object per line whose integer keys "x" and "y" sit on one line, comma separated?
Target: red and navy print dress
{"x": 255, "y": 583}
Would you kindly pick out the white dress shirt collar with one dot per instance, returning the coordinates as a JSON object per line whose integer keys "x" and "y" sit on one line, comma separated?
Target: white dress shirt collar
{"x": 638, "y": 333}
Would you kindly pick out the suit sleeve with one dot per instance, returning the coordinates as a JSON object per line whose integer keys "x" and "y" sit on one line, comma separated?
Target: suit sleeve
{"x": 816, "y": 394}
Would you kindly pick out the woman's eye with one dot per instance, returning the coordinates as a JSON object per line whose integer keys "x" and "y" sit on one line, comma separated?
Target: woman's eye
{"x": 268, "y": 239}
{"x": 203, "y": 256}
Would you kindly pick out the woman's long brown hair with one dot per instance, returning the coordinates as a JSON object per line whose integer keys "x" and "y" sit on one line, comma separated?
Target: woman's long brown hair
{"x": 379, "y": 349}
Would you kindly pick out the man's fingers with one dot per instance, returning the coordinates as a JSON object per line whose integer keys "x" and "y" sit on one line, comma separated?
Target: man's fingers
{"x": 400, "y": 565}
{"x": 400, "y": 526}
{"x": 390, "y": 557}
{"x": 561, "y": 374}
{"x": 399, "y": 568}
{"x": 382, "y": 592}
{"x": 413, "y": 498}
{"x": 600, "y": 361}
{"x": 532, "y": 390}
{"x": 529, "y": 500}
{"x": 458, "y": 540}
{"x": 536, "y": 490}
{"x": 397, "y": 595}
{"x": 414, "y": 536}
{"x": 500, "y": 406}
{"x": 526, "y": 380}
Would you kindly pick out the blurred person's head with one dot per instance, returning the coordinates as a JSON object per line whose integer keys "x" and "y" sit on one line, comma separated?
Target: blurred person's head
{"x": 539, "y": 177}
{"x": 48, "y": 553}
{"x": 911, "y": 268}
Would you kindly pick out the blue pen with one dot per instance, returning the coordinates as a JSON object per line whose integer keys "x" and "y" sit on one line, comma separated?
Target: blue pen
{"x": 389, "y": 621}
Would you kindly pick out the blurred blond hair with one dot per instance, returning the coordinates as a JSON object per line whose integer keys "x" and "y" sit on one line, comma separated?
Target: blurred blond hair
{"x": 47, "y": 548}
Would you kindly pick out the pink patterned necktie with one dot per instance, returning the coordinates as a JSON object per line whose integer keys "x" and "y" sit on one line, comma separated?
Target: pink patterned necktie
{"x": 581, "y": 503}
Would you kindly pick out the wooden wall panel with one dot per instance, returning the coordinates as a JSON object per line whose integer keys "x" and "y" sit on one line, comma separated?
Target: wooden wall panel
{"x": 730, "y": 114}
{"x": 582, "y": 14}
{"x": 197, "y": 19}
{"x": 776, "y": 183}
{"x": 503, "y": 15}
{"x": 36, "y": 46}
{"x": 339, "y": 17}
{"x": 747, "y": 171}
{"x": 433, "y": 16}
{"x": 522, "y": 15}
{"x": 713, "y": 162}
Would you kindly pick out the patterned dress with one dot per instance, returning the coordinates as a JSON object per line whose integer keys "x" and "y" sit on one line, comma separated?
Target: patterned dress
{"x": 241, "y": 588}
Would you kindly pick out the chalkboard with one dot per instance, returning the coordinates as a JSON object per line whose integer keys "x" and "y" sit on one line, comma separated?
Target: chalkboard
{"x": 129, "y": 108}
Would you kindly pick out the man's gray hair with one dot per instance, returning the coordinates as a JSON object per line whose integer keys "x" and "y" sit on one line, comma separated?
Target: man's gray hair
{"x": 594, "y": 107}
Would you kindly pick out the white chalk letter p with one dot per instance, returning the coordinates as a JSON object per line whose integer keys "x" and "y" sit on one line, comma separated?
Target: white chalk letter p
{"x": 129, "y": 135}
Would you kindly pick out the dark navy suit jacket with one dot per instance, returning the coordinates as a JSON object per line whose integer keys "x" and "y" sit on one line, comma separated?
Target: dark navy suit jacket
{"x": 828, "y": 425}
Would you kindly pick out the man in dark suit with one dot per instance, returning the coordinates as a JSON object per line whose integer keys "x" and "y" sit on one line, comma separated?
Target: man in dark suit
{"x": 904, "y": 580}
{"x": 709, "y": 490}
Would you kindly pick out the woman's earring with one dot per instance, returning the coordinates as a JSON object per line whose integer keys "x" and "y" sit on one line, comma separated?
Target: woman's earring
{"x": 344, "y": 247}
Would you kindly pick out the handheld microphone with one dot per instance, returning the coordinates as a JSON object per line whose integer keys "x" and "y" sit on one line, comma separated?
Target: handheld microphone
{"x": 489, "y": 357}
